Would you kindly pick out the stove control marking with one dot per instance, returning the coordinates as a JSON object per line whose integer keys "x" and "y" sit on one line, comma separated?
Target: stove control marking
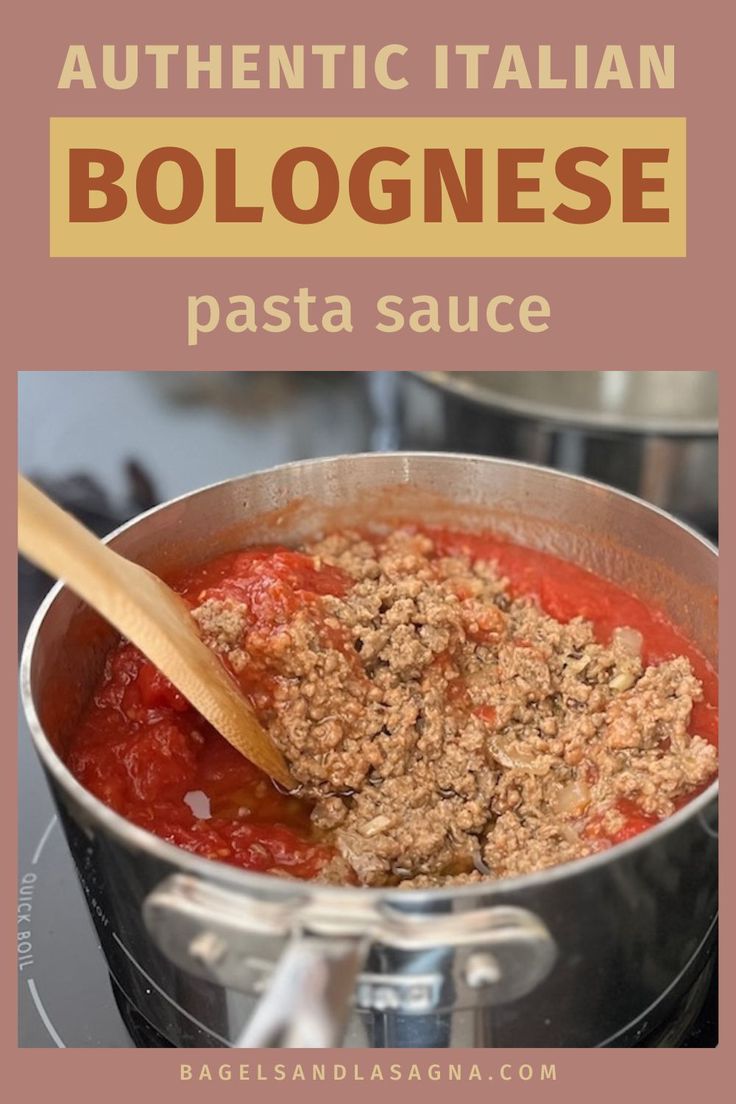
{"x": 25, "y": 945}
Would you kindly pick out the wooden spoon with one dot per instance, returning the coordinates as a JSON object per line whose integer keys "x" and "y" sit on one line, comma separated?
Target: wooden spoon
{"x": 143, "y": 609}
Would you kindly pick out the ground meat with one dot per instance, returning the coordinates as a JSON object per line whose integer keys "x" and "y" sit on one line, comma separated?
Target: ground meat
{"x": 449, "y": 732}
{"x": 223, "y": 623}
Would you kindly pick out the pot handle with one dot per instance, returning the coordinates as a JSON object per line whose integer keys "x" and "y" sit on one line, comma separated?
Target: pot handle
{"x": 304, "y": 956}
{"x": 307, "y": 1002}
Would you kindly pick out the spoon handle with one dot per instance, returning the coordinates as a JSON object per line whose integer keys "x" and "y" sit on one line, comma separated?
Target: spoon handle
{"x": 146, "y": 611}
{"x": 60, "y": 545}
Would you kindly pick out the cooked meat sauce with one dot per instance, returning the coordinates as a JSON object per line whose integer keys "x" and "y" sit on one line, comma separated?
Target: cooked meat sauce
{"x": 454, "y": 707}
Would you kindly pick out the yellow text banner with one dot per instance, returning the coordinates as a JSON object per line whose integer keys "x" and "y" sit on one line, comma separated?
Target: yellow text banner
{"x": 368, "y": 187}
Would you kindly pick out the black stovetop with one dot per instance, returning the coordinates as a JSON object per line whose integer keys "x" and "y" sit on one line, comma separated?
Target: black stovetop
{"x": 66, "y": 998}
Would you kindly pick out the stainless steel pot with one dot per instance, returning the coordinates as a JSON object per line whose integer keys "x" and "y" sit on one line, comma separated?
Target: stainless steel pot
{"x": 592, "y": 953}
{"x": 654, "y": 434}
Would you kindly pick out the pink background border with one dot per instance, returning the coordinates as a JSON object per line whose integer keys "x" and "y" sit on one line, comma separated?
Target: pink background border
{"x": 68, "y": 315}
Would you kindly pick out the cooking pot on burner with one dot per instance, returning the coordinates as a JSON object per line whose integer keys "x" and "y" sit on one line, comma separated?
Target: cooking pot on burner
{"x": 654, "y": 434}
{"x": 592, "y": 953}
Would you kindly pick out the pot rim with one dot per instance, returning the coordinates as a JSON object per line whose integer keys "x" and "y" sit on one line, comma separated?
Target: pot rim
{"x": 629, "y": 425}
{"x": 132, "y": 836}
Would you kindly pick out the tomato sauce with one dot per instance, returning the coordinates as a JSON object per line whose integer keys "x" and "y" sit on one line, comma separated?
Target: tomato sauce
{"x": 142, "y": 749}
{"x": 146, "y": 753}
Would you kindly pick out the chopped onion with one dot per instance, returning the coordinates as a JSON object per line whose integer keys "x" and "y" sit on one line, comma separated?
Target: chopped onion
{"x": 629, "y": 640}
{"x": 373, "y": 827}
{"x": 623, "y": 681}
{"x": 199, "y": 803}
{"x": 516, "y": 759}
{"x": 568, "y": 832}
{"x": 573, "y": 798}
